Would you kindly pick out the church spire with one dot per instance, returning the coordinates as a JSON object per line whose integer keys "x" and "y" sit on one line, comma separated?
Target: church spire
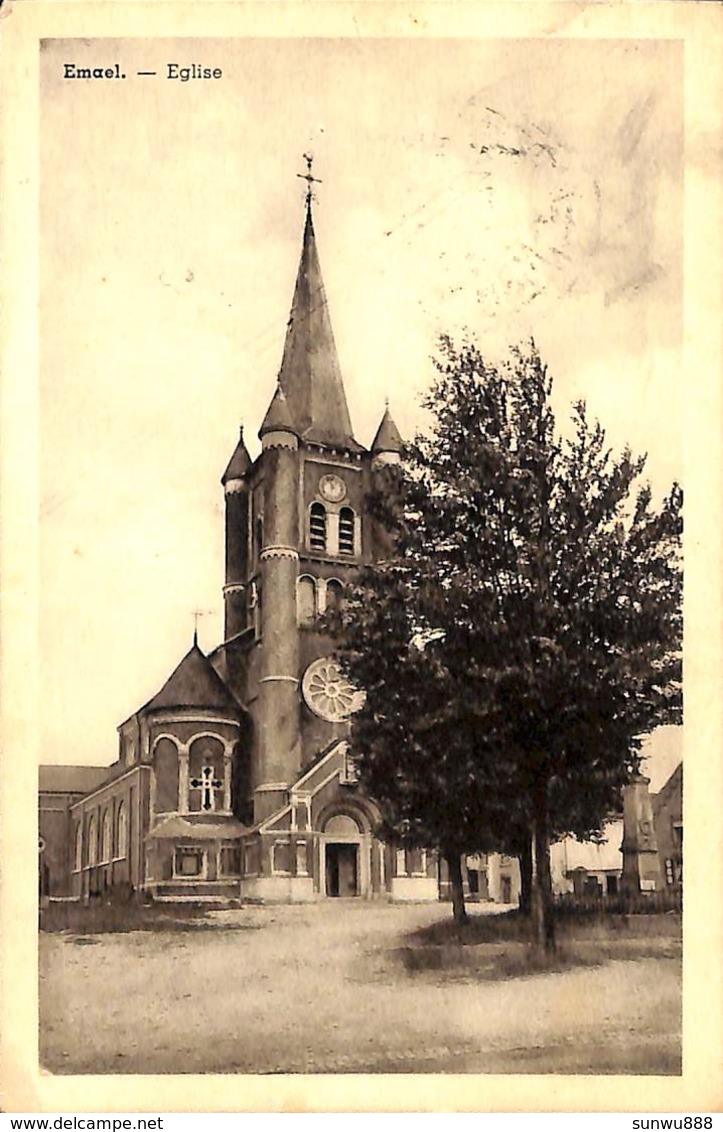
{"x": 388, "y": 439}
{"x": 310, "y": 376}
{"x": 278, "y": 417}
{"x": 239, "y": 463}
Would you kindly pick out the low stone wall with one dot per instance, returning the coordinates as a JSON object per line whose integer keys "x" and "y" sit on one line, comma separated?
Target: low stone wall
{"x": 279, "y": 890}
{"x": 414, "y": 888}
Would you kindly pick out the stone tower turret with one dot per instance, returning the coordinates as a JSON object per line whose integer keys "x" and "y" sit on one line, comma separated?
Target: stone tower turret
{"x": 236, "y": 492}
{"x": 279, "y": 756}
{"x": 387, "y": 444}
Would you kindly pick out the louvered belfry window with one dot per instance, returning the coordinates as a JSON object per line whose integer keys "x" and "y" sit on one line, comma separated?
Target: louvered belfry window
{"x": 317, "y": 526}
{"x": 346, "y": 531}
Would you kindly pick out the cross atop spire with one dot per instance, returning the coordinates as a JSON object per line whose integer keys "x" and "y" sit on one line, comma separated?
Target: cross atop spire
{"x": 196, "y": 613}
{"x": 313, "y": 402}
{"x": 309, "y": 159}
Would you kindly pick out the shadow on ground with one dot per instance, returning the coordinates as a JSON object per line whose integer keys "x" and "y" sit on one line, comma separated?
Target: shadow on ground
{"x": 356, "y": 988}
{"x": 501, "y": 947}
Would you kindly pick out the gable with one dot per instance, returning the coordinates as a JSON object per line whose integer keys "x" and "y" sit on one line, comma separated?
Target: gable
{"x": 328, "y": 765}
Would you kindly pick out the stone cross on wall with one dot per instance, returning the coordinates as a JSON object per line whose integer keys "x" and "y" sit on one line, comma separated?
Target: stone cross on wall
{"x": 207, "y": 784}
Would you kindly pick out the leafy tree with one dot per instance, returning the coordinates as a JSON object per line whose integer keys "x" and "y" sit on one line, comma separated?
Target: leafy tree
{"x": 419, "y": 751}
{"x": 525, "y": 629}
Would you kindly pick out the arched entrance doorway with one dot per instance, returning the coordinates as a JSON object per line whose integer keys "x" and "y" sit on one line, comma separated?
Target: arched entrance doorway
{"x": 343, "y": 870}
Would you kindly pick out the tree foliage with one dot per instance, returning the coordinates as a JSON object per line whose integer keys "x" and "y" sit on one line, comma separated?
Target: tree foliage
{"x": 525, "y": 629}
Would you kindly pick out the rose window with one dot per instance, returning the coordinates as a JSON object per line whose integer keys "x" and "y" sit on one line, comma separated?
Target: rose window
{"x": 328, "y": 692}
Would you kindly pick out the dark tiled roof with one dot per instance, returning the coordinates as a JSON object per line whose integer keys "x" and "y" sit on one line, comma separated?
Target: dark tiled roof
{"x": 672, "y": 783}
{"x": 240, "y": 462}
{"x": 310, "y": 375}
{"x": 278, "y": 417}
{"x": 388, "y": 438}
{"x": 195, "y": 683}
{"x": 71, "y": 779}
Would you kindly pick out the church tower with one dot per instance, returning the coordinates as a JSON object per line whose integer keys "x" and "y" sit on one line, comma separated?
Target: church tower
{"x": 297, "y": 530}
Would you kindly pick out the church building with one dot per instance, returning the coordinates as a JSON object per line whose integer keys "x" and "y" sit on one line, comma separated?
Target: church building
{"x": 236, "y": 780}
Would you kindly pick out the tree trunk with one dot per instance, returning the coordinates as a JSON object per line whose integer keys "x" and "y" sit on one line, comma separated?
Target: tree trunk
{"x": 542, "y": 905}
{"x": 525, "y": 858}
{"x": 454, "y": 865}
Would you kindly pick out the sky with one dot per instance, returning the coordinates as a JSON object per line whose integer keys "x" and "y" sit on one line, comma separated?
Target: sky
{"x": 495, "y": 188}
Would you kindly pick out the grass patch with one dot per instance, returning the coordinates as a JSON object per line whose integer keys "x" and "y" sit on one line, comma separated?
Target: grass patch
{"x": 502, "y": 946}
{"x": 491, "y": 962}
{"x": 100, "y": 917}
{"x": 511, "y": 927}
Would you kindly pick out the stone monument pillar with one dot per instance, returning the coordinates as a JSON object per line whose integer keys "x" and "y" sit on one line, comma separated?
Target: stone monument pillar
{"x": 494, "y": 885}
{"x": 641, "y": 868}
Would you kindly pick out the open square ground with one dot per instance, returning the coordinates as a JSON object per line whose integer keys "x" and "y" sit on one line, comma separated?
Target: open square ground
{"x": 351, "y": 987}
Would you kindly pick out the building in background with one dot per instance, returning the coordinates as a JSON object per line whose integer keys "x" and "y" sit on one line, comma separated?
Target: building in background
{"x": 590, "y": 869}
{"x": 59, "y": 788}
{"x": 668, "y": 821}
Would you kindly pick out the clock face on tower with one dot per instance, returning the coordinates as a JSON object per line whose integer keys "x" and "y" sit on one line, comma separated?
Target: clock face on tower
{"x": 332, "y": 488}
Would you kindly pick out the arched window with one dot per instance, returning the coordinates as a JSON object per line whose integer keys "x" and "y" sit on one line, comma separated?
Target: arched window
{"x": 305, "y": 600}
{"x": 346, "y": 531}
{"x": 78, "y": 847}
{"x": 207, "y": 775}
{"x": 259, "y": 535}
{"x": 317, "y": 526}
{"x": 166, "y": 772}
{"x": 105, "y": 838}
{"x": 334, "y": 591}
{"x": 92, "y": 841}
{"x": 122, "y": 831}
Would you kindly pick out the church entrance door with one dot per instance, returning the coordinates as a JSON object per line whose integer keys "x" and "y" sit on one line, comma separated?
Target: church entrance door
{"x": 342, "y": 869}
